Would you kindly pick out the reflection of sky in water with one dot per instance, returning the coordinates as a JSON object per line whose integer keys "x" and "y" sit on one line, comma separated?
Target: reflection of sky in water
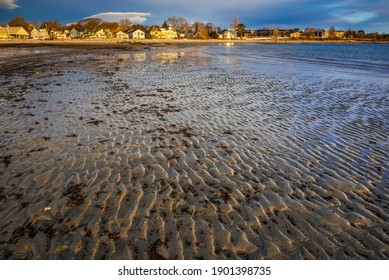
{"x": 140, "y": 57}
{"x": 359, "y": 60}
{"x": 170, "y": 56}
{"x": 11, "y": 52}
{"x": 154, "y": 56}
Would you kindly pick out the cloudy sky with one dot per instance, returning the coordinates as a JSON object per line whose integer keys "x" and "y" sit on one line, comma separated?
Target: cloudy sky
{"x": 370, "y": 15}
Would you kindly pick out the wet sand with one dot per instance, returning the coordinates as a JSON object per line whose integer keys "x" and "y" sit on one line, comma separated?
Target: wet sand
{"x": 164, "y": 153}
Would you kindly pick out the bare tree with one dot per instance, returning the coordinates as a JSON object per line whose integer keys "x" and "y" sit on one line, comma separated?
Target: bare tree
{"x": 111, "y": 26}
{"x": 199, "y": 30}
{"x": 51, "y": 25}
{"x": 360, "y": 34}
{"x": 139, "y": 26}
{"x": 19, "y": 21}
{"x": 90, "y": 24}
{"x": 178, "y": 23}
{"x": 125, "y": 23}
{"x": 310, "y": 32}
{"x": 35, "y": 23}
{"x": 210, "y": 29}
{"x": 234, "y": 23}
{"x": 332, "y": 32}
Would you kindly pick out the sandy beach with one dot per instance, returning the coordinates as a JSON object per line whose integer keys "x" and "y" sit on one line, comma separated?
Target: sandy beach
{"x": 163, "y": 152}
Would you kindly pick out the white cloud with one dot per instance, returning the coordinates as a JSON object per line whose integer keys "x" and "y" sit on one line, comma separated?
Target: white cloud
{"x": 356, "y": 17}
{"x": 134, "y": 17}
{"x": 9, "y": 4}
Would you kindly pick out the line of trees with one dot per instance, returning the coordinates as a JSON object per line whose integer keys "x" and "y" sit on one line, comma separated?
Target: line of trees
{"x": 312, "y": 33}
{"x": 88, "y": 25}
{"x": 197, "y": 29}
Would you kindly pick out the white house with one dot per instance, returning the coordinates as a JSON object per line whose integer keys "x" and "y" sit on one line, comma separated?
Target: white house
{"x": 136, "y": 34}
{"x": 228, "y": 34}
{"x": 121, "y": 35}
{"x": 35, "y": 34}
{"x": 43, "y": 34}
{"x": 101, "y": 34}
{"x": 73, "y": 34}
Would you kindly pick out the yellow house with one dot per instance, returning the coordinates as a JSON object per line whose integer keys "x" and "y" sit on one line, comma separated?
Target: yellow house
{"x": 154, "y": 32}
{"x": 170, "y": 33}
{"x": 13, "y": 33}
{"x": 295, "y": 35}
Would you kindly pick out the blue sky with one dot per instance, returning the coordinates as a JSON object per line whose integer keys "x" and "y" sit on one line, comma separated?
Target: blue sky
{"x": 369, "y": 15}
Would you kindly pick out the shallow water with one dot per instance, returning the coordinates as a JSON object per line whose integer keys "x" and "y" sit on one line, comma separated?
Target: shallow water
{"x": 348, "y": 60}
{"x": 173, "y": 153}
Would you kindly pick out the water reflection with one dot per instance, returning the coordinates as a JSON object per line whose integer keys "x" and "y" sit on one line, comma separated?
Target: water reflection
{"x": 140, "y": 57}
{"x": 168, "y": 57}
{"x": 11, "y": 52}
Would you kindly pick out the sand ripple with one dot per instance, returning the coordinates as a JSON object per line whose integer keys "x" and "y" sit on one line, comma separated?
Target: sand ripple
{"x": 165, "y": 154}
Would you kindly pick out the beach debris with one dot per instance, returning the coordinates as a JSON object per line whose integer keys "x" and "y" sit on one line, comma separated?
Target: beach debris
{"x": 75, "y": 196}
{"x": 153, "y": 250}
{"x": 88, "y": 232}
{"x": 163, "y": 90}
{"x": 104, "y": 141}
{"x": 114, "y": 235}
{"x": 24, "y": 230}
{"x": 38, "y": 149}
{"x": 216, "y": 201}
{"x": 171, "y": 109}
{"x": 6, "y": 160}
{"x": 71, "y": 135}
{"x": 380, "y": 168}
{"x": 225, "y": 195}
{"x": 184, "y": 131}
{"x": 95, "y": 122}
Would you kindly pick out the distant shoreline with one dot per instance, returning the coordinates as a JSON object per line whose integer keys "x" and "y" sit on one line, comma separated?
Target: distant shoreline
{"x": 115, "y": 43}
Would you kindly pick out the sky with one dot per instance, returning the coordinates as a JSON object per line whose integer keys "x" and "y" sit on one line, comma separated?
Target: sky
{"x": 369, "y": 15}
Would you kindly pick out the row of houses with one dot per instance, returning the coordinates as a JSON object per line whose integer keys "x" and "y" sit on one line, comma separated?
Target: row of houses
{"x": 154, "y": 32}
{"x": 318, "y": 34}
{"x": 292, "y": 33}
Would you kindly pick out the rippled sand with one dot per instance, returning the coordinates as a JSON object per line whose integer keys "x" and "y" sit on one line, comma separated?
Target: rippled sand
{"x": 163, "y": 153}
